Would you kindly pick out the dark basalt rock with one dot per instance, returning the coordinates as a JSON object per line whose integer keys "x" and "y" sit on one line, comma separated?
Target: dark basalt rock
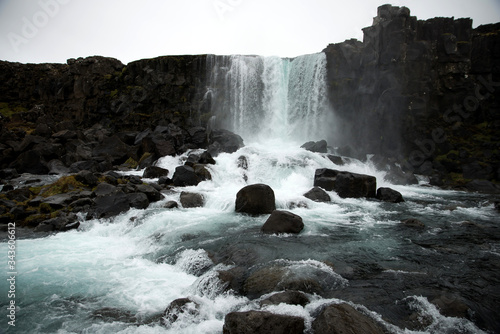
{"x": 287, "y": 297}
{"x": 138, "y": 200}
{"x": 389, "y": 195}
{"x": 185, "y": 176}
{"x": 343, "y": 318}
{"x": 262, "y": 322}
{"x": 224, "y": 141}
{"x": 283, "y": 222}
{"x": 180, "y": 307}
{"x": 255, "y": 199}
{"x": 318, "y": 195}
{"x": 346, "y": 184}
{"x": 413, "y": 223}
{"x": 171, "y": 205}
{"x": 154, "y": 172}
{"x": 318, "y": 146}
{"x": 191, "y": 200}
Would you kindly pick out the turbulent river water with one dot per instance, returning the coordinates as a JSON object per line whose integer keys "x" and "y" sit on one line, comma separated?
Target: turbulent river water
{"x": 118, "y": 275}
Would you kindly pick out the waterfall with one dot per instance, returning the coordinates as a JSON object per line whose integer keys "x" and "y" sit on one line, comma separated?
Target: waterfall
{"x": 270, "y": 97}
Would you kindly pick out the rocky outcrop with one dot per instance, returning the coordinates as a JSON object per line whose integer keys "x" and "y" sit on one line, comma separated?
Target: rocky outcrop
{"x": 262, "y": 322}
{"x": 346, "y": 184}
{"x": 318, "y": 146}
{"x": 421, "y": 92}
{"x": 282, "y": 222}
{"x": 255, "y": 199}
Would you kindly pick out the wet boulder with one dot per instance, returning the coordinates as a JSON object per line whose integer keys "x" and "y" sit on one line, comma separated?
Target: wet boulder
{"x": 316, "y": 146}
{"x": 138, "y": 200}
{"x": 251, "y": 322}
{"x": 191, "y": 200}
{"x": 154, "y": 172}
{"x": 185, "y": 176}
{"x": 283, "y": 222}
{"x": 110, "y": 204}
{"x": 290, "y": 297}
{"x": 255, "y": 199}
{"x": 180, "y": 308}
{"x": 152, "y": 194}
{"x": 343, "y": 318}
{"x": 389, "y": 195}
{"x": 317, "y": 194}
{"x": 224, "y": 141}
{"x": 171, "y": 205}
{"x": 346, "y": 184}
{"x": 413, "y": 223}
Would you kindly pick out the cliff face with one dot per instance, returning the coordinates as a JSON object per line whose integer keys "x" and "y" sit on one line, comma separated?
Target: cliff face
{"x": 425, "y": 94}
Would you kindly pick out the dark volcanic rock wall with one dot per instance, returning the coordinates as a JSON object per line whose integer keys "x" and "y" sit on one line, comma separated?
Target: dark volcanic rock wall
{"x": 426, "y": 93}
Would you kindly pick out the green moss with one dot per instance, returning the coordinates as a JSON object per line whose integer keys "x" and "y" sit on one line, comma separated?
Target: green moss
{"x": 45, "y": 208}
{"x": 131, "y": 163}
{"x": 63, "y": 185}
{"x": 144, "y": 156}
{"x": 113, "y": 93}
{"x": 35, "y": 219}
{"x": 458, "y": 179}
{"x": 7, "y": 110}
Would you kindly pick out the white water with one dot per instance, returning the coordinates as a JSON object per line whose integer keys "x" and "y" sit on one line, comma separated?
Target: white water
{"x": 140, "y": 261}
{"x": 269, "y": 97}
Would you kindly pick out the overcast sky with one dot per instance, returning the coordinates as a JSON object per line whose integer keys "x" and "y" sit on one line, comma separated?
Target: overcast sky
{"x": 54, "y": 30}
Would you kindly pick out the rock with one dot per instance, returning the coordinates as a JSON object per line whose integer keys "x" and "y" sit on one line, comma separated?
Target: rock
{"x": 226, "y": 141}
{"x": 152, "y": 194}
{"x": 255, "y": 199}
{"x": 191, "y": 200}
{"x": 171, "y": 205}
{"x": 199, "y": 136}
{"x": 497, "y": 206}
{"x": 104, "y": 189}
{"x": 110, "y": 205}
{"x": 251, "y": 322}
{"x": 154, "y": 172}
{"x": 483, "y": 186}
{"x": 61, "y": 223}
{"x": 336, "y": 159}
{"x": 243, "y": 162}
{"x": 287, "y": 297}
{"x": 110, "y": 314}
{"x": 87, "y": 177}
{"x": 138, "y": 200}
{"x": 30, "y": 162}
{"x": 413, "y": 223}
{"x": 343, "y": 318}
{"x": 389, "y": 195}
{"x": 8, "y": 173}
{"x": 318, "y": 195}
{"x": 182, "y": 307}
{"x": 57, "y": 167}
{"x": 112, "y": 149}
{"x": 185, "y": 176}
{"x": 283, "y": 222}
{"x": 346, "y": 184}
{"x": 206, "y": 158}
{"x": 318, "y": 146}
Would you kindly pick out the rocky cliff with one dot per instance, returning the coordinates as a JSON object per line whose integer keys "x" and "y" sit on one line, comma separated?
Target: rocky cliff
{"x": 425, "y": 94}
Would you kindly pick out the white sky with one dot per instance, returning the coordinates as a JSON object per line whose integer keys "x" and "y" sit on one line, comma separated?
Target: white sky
{"x": 54, "y": 30}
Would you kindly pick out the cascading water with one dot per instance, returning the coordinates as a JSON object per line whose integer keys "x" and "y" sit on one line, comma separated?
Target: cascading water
{"x": 270, "y": 97}
{"x": 118, "y": 275}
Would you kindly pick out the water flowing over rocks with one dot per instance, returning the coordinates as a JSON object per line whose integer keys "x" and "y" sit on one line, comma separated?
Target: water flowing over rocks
{"x": 346, "y": 184}
{"x": 318, "y": 195}
{"x": 389, "y": 195}
{"x": 255, "y": 199}
{"x": 191, "y": 200}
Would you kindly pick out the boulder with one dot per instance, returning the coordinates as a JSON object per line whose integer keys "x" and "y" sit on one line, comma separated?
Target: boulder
{"x": 251, "y": 322}
{"x": 112, "y": 149}
{"x": 283, "y": 222}
{"x": 191, "y": 200}
{"x": 389, "y": 195}
{"x": 152, "y": 194}
{"x": 104, "y": 189}
{"x": 255, "y": 199}
{"x": 206, "y": 158}
{"x": 346, "y": 184}
{"x": 171, "y": 205}
{"x": 497, "y": 206}
{"x": 185, "y": 176}
{"x": 318, "y": 146}
{"x": 483, "y": 186}
{"x": 30, "y": 162}
{"x": 290, "y": 297}
{"x": 87, "y": 177}
{"x": 110, "y": 205}
{"x": 180, "y": 308}
{"x": 343, "y": 318}
{"x": 318, "y": 195}
{"x": 154, "y": 172}
{"x": 138, "y": 200}
{"x": 338, "y": 160}
{"x": 224, "y": 141}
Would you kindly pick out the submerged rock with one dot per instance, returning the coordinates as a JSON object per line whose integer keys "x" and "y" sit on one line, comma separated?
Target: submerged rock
{"x": 318, "y": 195}
{"x": 343, "y": 318}
{"x": 180, "y": 308}
{"x": 255, "y": 199}
{"x": 346, "y": 184}
{"x": 283, "y": 222}
{"x": 413, "y": 223}
{"x": 286, "y": 297}
{"x": 389, "y": 195}
{"x": 262, "y": 322}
